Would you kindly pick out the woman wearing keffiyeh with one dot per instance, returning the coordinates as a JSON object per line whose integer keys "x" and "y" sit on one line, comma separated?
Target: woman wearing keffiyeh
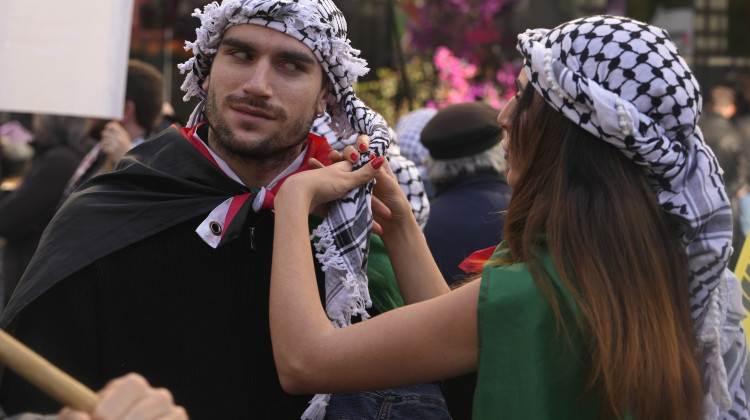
{"x": 609, "y": 297}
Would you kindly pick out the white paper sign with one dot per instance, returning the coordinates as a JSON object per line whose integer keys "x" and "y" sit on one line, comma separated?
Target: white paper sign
{"x": 65, "y": 57}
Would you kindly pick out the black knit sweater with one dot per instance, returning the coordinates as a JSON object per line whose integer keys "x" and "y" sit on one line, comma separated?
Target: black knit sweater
{"x": 188, "y": 317}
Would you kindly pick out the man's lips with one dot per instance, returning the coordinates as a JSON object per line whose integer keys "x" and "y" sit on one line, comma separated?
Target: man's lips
{"x": 251, "y": 113}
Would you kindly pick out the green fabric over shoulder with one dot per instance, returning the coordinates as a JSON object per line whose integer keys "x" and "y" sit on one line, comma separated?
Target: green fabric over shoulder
{"x": 527, "y": 368}
{"x": 384, "y": 290}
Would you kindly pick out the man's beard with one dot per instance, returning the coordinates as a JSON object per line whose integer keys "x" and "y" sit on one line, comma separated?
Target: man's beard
{"x": 274, "y": 147}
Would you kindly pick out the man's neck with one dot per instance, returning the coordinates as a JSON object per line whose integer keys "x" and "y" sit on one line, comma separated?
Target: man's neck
{"x": 256, "y": 173}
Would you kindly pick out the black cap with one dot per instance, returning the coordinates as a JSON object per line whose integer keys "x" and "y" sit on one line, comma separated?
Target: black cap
{"x": 461, "y": 130}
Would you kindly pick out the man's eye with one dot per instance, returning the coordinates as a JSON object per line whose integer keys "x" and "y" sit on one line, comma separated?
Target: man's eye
{"x": 242, "y": 55}
{"x": 294, "y": 67}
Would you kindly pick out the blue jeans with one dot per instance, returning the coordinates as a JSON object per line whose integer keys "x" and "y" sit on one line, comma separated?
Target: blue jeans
{"x": 416, "y": 402}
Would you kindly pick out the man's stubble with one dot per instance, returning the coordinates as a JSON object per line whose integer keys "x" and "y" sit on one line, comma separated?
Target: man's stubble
{"x": 275, "y": 147}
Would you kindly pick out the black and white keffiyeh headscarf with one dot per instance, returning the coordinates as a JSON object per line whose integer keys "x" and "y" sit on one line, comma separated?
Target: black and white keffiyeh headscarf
{"x": 625, "y": 82}
{"x": 344, "y": 234}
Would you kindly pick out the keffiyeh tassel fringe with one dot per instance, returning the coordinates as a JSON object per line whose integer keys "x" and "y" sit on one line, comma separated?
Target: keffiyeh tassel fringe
{"x": 317, "y": 408}
{"x": 717, "y": 398}
{"x": 357, "y": 296}
{"x": 197, "y": 115}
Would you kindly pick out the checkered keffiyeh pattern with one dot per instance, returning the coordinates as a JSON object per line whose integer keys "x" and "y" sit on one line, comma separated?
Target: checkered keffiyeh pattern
{"x": 344, "y": 234}
{"x": 408, "y": 173}
{"x": 625, "y": 82}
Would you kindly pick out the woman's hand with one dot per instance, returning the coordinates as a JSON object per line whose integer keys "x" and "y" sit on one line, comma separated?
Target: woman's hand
{"x": 130, "y": 397}
{"x": 389, "y": 204}
{"x": 390, "y": 207}
{"x": 320, "y": 186}
{"x": 352, "y": 153}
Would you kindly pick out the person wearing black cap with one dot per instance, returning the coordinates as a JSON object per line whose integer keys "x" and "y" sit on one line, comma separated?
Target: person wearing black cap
{"x": 466, "y": 167}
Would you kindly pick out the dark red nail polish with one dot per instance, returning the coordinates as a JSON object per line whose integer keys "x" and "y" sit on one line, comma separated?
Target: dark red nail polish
{"x": 362, "y": 147}
{"x": 354, "y": 156}
{"x": 377, "y": 162}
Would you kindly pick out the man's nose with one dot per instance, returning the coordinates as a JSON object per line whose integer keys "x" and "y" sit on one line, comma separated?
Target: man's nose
{"x": 259, "y": 79}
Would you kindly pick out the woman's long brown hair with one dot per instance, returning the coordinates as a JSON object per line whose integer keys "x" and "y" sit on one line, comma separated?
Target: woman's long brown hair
{"x": 615, "y": 250}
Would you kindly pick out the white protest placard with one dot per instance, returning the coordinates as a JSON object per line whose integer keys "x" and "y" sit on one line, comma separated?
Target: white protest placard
{"x": 65, "y": 57}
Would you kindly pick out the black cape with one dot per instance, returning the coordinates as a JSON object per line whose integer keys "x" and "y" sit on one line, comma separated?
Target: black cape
{"x": 157, "y": 185}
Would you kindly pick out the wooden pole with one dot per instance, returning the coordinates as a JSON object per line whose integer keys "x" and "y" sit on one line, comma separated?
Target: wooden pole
{"x": 45, "y": 376}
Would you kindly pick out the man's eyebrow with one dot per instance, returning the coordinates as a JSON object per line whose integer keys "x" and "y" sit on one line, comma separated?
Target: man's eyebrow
{"x": 298, "y": 56}
{"x": 288, "y": 54}
{"x": 233, "y": 42}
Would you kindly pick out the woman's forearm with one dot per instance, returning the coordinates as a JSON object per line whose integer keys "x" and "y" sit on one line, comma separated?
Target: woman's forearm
{"x": 414, "y": 344}
{"x": 296, "y": 314}
{"x": 417, "y": 274}
{"x": 425, "y": 341}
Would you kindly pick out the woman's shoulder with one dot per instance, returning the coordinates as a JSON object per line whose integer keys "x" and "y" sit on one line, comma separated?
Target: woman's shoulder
{"x": 509, "y": 283}
{"x": 513, "y": 286}
{"x": 520, "y": 272}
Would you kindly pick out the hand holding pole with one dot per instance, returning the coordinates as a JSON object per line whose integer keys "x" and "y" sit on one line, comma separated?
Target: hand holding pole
{"x": 44, "y": 375}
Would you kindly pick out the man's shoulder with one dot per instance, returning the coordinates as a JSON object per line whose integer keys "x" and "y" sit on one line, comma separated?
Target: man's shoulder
{"x": 170, "y": 132}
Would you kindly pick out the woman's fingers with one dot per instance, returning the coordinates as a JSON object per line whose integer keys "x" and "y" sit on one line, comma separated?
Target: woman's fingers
{"x": 330, "y": 183}
{"x": 388, "y": 192}
{"x": 350, "y": 154}
{"x": 387, "y": 167}
{"x": 334, "y": 156}
{"x": 315, "y": 163}
{"x": 376, "y": 228}
{"x": 386, "y": 181}
{"x": 380, "y": 209}
{"x": 362, "y": 144}
{"x": 326, "y": 184}
{"x": 353, "y": 152}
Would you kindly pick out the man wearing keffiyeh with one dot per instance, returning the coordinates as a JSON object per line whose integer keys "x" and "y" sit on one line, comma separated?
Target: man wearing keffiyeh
{"x": 321, "y": 27}
{"x": 344, "y": 234}
{"x": 162, "y": 266}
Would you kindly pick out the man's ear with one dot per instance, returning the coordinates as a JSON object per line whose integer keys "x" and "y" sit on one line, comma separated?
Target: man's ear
{"x": 322, "y": 103}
